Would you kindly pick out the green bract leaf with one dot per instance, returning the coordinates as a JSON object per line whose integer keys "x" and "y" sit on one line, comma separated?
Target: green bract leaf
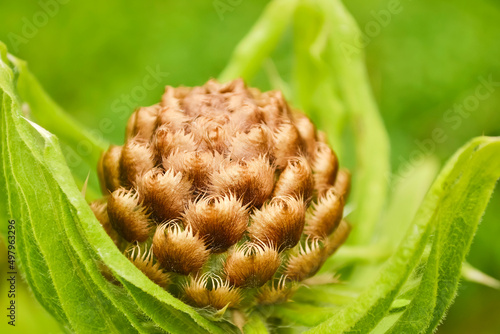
{"x": 451, "y": 211}
{"x": 63, "y": 249}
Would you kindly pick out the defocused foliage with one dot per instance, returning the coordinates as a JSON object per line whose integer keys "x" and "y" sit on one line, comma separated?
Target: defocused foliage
{"x": 422, "y": 60}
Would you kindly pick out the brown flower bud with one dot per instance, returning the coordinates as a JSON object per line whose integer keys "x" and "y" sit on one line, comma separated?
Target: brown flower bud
{"x": 221, "y": 295}
{"x": 251, "y": 265}
{"x": 279, "y": 224}
{"x": 144, "y": 262}
{"x": 179, "y": 251}
{"x": 326, "y": 216}
{"x": 166, "y": 193}
{"x": 325, "y": 167}
{"x": 232, "y": 171}
{"x": 220, "y": 221}
{"x": 127, "y": 216}
{"x": 109, "y": 169}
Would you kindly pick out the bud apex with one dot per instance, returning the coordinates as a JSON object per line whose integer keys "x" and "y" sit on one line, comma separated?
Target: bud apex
{"x": 179, "y": 251}
{"x": 127, "y": 216}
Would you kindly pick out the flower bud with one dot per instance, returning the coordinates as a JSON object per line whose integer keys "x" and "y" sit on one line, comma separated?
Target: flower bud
{"x": 215, "y": 181}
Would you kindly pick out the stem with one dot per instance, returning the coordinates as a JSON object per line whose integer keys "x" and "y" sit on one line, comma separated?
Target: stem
{"x": 372, "y": 142}
{"x": 256, "y": 46}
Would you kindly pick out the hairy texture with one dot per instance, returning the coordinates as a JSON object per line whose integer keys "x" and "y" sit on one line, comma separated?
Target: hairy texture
{"x": 135, "y": 160}
{"x": 251, "y": 265}
{"x": 296, "y": 180}
{"x": 221, "y": 294}
{"x": 326, "y": 216}
{"x": 179, "y": 251}
{"x": 109, "y": 169}
{"x": 220, "y": 222}
{"x": 145, "y": 263}
{"x": 127, "y": 216}
{"x": 100, "y": 210}
{"x": 217, "y": 179}
{"x": 166, "y": 193}
{"x": 280, "y": 223}
{"x": 306, "y": 262}
{"x": 276, "y": 291}
{"x": 325, "y": 167}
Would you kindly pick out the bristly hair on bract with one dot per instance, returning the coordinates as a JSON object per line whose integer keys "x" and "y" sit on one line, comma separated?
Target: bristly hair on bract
{"x": 224, "y": 196}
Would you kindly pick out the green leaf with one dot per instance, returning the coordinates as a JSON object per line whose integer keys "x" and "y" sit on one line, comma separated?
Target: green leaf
{"x": 451, "y": 209}
{"x": 61, "y": 246}
{"x": 50, "y": 116}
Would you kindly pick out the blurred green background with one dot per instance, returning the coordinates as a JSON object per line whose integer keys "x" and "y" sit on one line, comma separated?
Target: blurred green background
{"x": 423, "y": 60}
